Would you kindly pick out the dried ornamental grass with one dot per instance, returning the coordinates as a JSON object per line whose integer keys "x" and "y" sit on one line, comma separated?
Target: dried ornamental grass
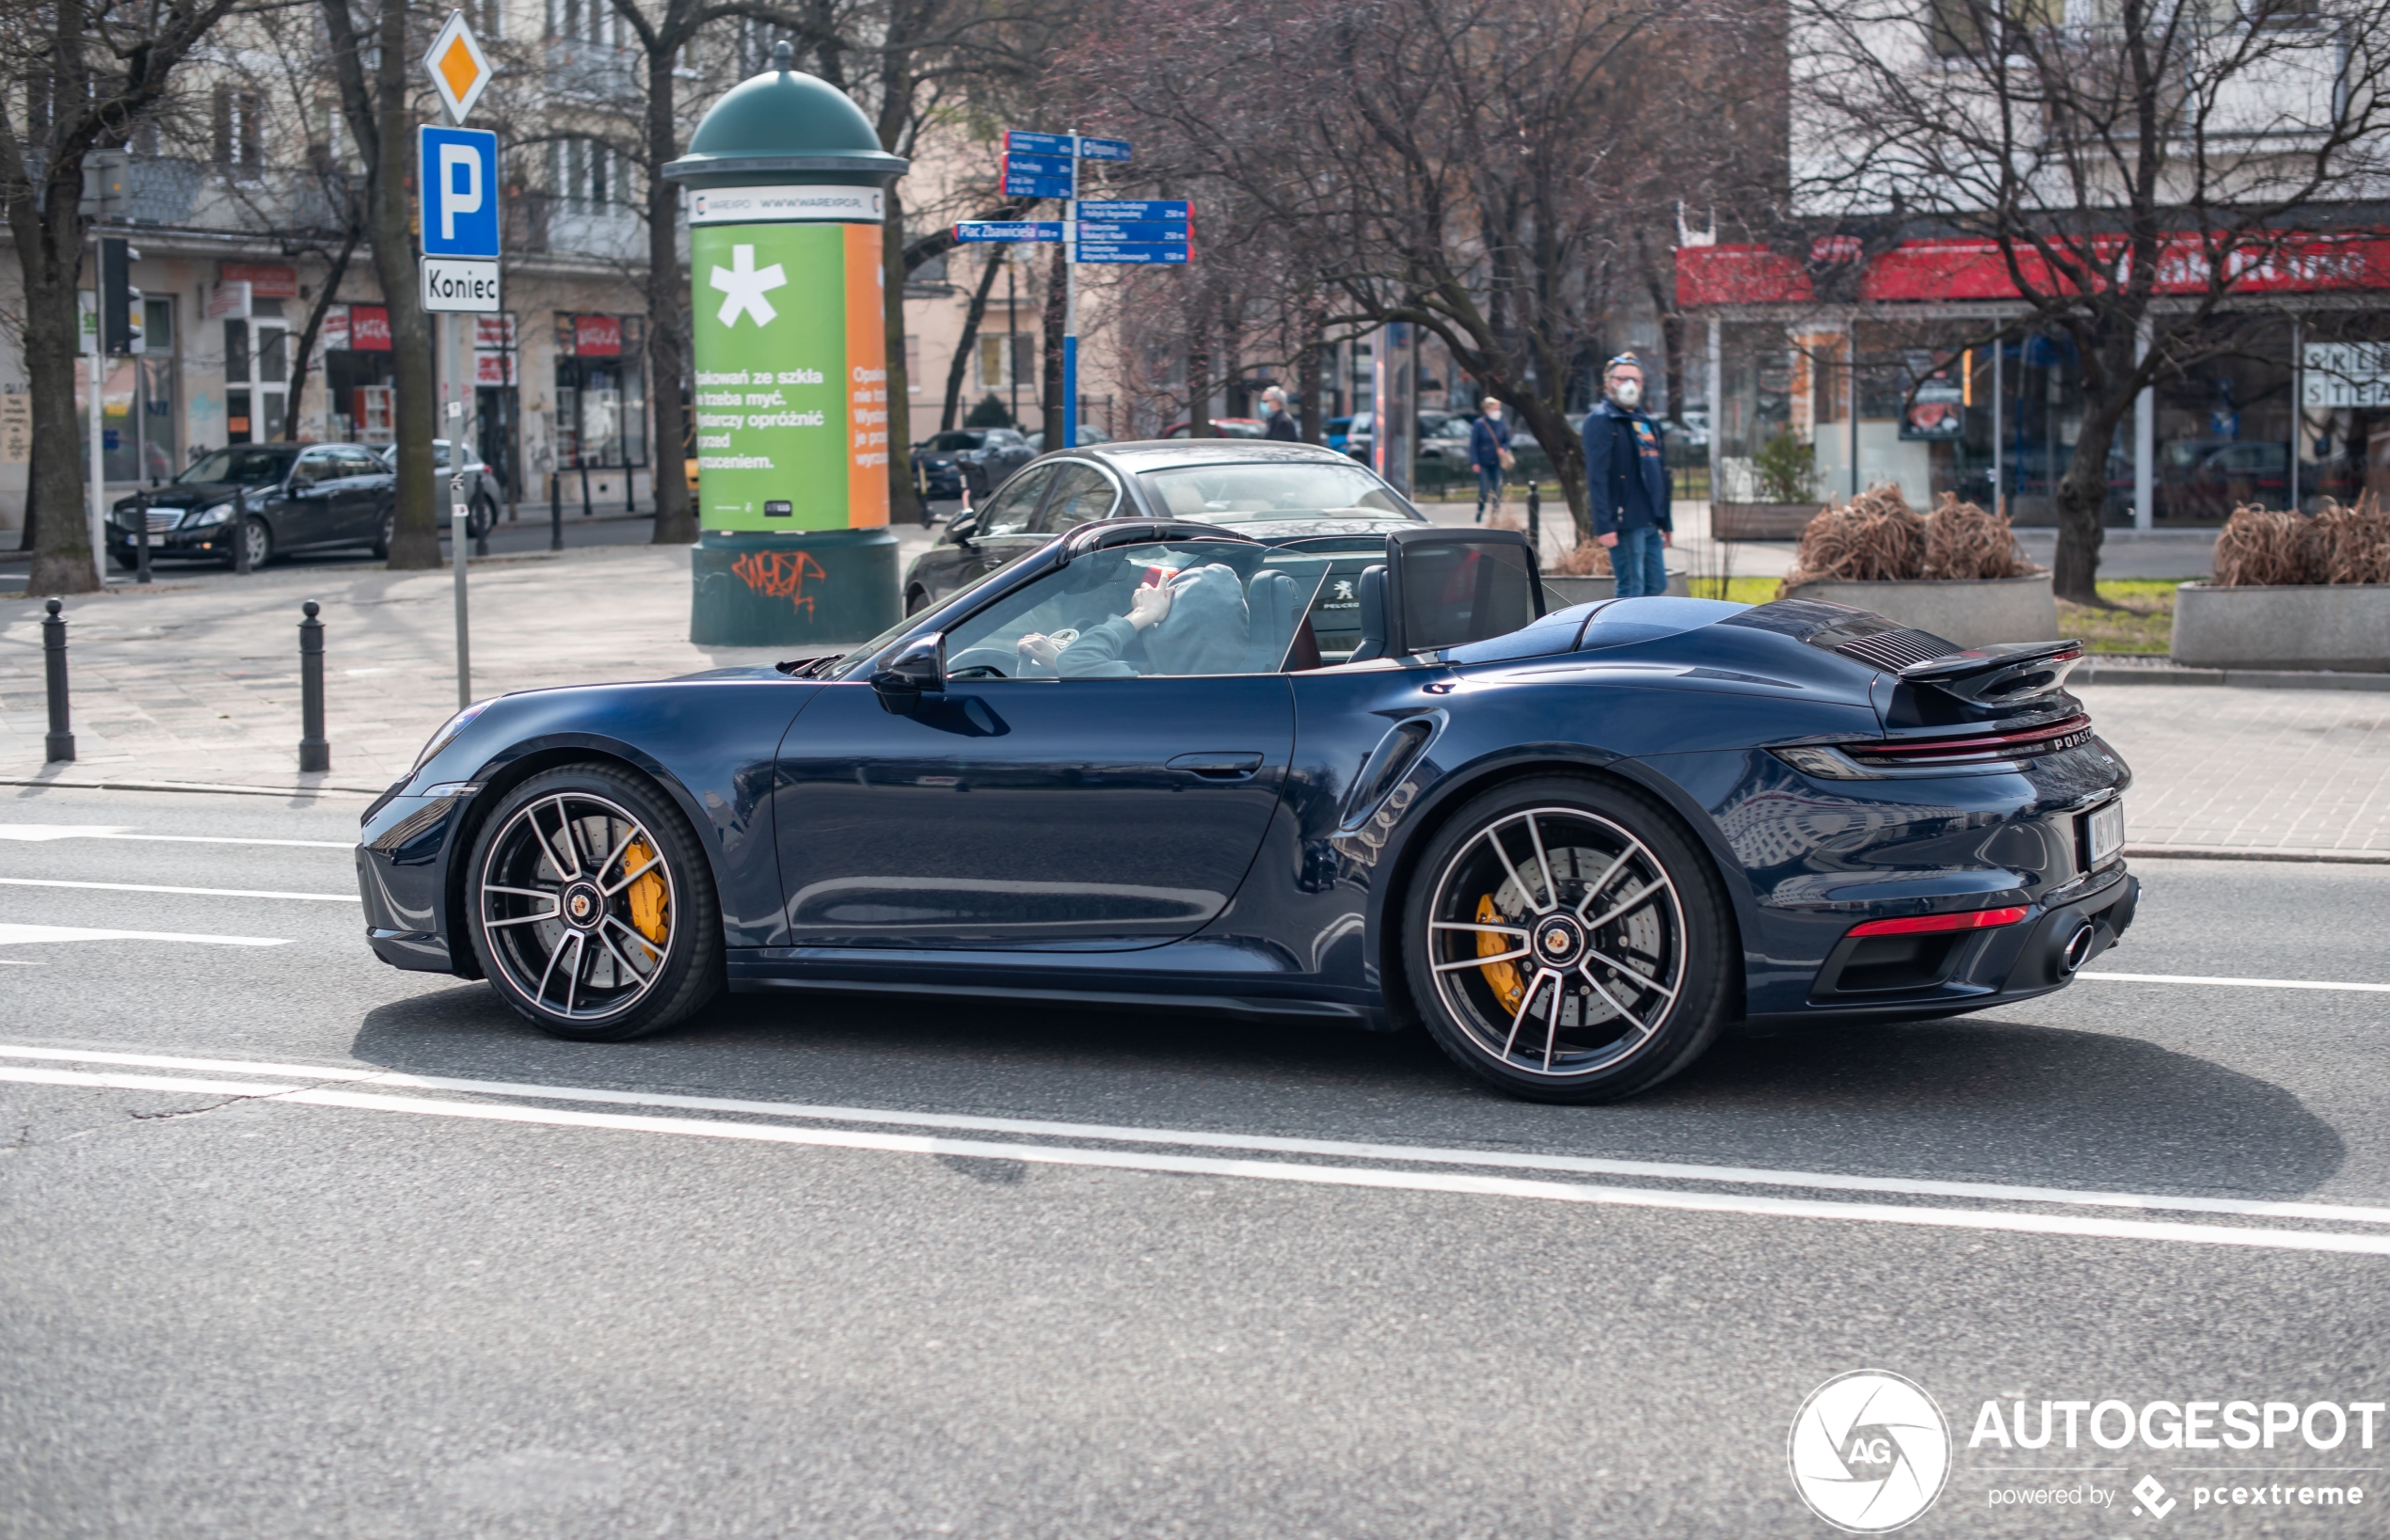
{"x": 2352, "y": 544}
{"x": 1586, "y": 559}
{"x": 1874, "y": 537}
{"x": 2264, "y": 547}
{"x": 1963, "y": 541}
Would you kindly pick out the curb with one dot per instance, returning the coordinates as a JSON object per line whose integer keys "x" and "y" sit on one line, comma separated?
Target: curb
{"x": 211, "y": 788}
{"x": 2170, "y": 673}
{"x": 2243, "y": 852}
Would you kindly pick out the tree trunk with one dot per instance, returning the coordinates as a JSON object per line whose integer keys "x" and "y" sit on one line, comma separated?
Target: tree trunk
{"x": 1050, "y": 404}
{"x": 1552, "y": 430}
{"x": 904, "y": 493}
{"x": 2082, "y": 496}
{"x": 1310, "y": 378}
{"x": 957, "y": 366}
{"x": 416, "y": 543}
{"x": 305, "y": 349}
{"x": 667, "y": 346}
{"x": 1199, "y": 368}
{"x": 49, "y": 254}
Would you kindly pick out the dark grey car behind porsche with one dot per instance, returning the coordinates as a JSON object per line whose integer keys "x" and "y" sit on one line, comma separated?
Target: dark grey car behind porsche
{"x": 1272, "y": 491}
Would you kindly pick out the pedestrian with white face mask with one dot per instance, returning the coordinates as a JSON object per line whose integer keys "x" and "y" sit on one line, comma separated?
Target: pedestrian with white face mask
{"x": 1627, "y": 479}
{"x": 1489, "y": 454}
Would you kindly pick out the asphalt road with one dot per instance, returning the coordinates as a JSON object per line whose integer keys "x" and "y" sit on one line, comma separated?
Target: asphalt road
{"x": 249, "y": 1292}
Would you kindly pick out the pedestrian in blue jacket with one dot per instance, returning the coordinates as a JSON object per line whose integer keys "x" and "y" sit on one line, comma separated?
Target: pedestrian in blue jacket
{"x": 1489, "y": 454}
{"x": 1627, "y": 478}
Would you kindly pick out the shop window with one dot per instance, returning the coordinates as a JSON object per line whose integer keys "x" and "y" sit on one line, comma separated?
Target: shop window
{"x": 2344, "y": 390}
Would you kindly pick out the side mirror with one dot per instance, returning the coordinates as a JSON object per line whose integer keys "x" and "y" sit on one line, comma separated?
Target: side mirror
{"x": 916, "y": 669}
{"x": 965, "y": 526}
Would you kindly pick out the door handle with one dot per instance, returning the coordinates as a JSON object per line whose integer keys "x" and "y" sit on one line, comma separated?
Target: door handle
{"x": 1220, "y": 764}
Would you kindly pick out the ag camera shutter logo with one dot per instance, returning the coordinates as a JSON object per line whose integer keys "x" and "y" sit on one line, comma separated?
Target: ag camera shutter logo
{"x": 1870, "y": 1452}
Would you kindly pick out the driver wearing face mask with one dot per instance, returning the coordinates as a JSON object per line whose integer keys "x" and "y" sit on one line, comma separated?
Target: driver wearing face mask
{"x": 1627, "y": 478}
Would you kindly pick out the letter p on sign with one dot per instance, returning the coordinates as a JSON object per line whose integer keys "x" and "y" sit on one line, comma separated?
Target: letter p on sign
{"x": 459, "y": 184}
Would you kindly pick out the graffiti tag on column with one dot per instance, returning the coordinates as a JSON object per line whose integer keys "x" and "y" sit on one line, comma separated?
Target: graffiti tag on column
{"x": 779, "y": 575}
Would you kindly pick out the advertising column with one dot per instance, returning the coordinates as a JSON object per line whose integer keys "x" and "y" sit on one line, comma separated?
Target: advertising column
{"x": 790, "y": 401}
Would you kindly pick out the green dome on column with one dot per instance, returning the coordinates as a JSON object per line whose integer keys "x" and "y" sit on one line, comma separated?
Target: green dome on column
{"x": 785, "y": 121}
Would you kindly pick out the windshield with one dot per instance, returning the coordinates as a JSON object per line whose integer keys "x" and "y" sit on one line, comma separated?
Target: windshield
{"x": 244, "y": 464}
{"x": 1256, "y": 492}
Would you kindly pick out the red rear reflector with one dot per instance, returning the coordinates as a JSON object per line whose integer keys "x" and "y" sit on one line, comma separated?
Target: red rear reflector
{"x": 1974, "y": 919}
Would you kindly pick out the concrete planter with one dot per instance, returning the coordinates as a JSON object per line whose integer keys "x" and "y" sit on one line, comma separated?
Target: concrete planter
{"x": 1760, "y": 520}
{"x": 1970, "y": 611}
{"x": 2325, "y": 626}
{"x": 1562, "y": 592}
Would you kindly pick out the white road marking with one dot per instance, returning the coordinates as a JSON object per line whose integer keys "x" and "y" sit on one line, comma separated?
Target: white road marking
{"x": 24, "y": 935}
{"x": 1271, "y": 1144}
{"x": 1259, "y": 1170}
{"x": 203, "y": 893}
{"x": 44, "y": 832}
{"x": 2233, "y": 983}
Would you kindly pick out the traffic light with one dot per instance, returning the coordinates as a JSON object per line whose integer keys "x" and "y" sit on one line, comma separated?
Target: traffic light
{"x": 120, "y": 302}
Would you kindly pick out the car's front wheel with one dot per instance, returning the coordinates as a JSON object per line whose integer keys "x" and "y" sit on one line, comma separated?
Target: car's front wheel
{"x": 591, "y": 907}
{"x": 260, "y": 540}
{"x": 1565, "y": 941}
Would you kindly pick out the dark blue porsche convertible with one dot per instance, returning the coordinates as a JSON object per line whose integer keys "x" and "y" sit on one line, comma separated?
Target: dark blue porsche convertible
{"x": 1159, "y": 762}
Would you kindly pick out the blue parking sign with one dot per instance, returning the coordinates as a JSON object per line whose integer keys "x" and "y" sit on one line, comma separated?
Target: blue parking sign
{"x": 458, "y": 174}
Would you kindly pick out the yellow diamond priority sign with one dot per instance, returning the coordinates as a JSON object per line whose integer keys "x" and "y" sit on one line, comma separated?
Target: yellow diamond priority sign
{"x": 459, "y": 67}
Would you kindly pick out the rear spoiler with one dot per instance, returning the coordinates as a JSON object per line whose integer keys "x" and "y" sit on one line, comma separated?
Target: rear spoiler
{"x": 1999, "y": 675}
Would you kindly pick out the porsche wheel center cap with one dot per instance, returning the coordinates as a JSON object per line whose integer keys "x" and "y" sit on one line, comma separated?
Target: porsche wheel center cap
{"x": 1559, "y": 941}
{"x": 582, "y": 906}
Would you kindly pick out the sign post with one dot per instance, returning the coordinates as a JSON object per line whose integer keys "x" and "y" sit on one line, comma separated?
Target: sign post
{"x": 1047, "y": 165}
{"x": 787, "y": 191}
{"x": 457, "y": 168}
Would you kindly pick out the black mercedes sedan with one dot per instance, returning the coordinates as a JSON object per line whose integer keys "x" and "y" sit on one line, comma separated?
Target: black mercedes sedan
{"x": 1270, "y": 491}
{"x": 279, "y": 498}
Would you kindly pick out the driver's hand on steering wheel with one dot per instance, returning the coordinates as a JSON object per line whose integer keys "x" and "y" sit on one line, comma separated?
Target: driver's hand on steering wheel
{"x": 1149, "y": 604}
{"x": 1037, "y": 647}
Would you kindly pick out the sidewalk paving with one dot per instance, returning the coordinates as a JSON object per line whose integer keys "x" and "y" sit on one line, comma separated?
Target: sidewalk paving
{"x": 195, "y": 681}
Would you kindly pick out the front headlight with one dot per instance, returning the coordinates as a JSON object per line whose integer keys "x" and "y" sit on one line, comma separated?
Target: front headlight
{"x": 447, "y": 734}
{"x": 206, "y": 517}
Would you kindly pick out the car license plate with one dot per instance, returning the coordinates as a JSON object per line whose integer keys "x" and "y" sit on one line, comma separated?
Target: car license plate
{"x": 2104, "y": 833}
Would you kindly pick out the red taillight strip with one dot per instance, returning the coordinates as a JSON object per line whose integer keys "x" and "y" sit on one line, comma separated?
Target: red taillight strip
{"x": 1990, "y": 746}
{"x": 1910, "y": 925}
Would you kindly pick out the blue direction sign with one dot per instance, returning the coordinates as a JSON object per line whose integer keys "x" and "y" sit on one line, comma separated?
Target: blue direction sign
{"x": 1018, "y": 184}
{"x": 1009, "y": 230}
{"x": 1103, "y": 210}
{"x": 459, "y": 182}
{"x": 1147, "y": 252}
{"x": 1037, "y": 165}
{"x": 1021, "y": 142}
{"x": 1104, "y": 150}
{"x": 1142, "y": 229}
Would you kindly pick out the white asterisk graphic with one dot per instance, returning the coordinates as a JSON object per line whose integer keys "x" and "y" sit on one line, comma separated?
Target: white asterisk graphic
{"x": 744, "y": 285}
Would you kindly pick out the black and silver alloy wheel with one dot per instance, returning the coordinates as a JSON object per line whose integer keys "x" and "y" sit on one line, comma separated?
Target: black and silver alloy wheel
{"x": 1564, "y": 942}
{"x": 590, "y": 910}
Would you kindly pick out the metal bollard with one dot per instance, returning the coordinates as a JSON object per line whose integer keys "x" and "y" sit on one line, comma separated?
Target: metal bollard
{"x": 141, "y": 535}
{"x": 1535, "y": 518}
{"x": 315, "y": 754}
{"x": 241, "y": 530}
{"x": 58, "y": 748}
{"x": 555, "y": 511}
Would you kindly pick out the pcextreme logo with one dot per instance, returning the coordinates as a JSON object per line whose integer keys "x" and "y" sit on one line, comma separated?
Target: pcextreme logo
{"x": 1869, "y": 1452}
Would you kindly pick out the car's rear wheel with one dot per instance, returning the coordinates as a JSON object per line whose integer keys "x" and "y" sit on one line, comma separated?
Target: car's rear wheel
{"x": 1565, "y": 941}
{"x": 591, "y": 907}
{"x": 383, "y": 541}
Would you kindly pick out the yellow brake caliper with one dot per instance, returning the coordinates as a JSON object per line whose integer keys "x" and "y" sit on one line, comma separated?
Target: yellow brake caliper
{"x": 1502, "y": 975}
{"x": 647, "y": 895}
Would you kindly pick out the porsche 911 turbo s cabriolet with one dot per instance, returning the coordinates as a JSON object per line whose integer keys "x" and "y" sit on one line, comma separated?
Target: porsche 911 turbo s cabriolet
{"x": 1162, "y": 763}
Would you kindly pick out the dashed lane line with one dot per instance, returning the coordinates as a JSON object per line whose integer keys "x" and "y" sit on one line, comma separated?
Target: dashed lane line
{"x": 201, "y": 893}
{"x": 45, "y": 832}
{"x": 1260, "y": 1171}
{"x": 28, "y": 935}
{"x": 1259, "y": 1143}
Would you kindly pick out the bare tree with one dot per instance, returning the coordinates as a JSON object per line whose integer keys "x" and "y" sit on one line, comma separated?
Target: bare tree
{"x": 93, "y": 71}
{"x": 380, "y": 117}
{"x": 2139, "y": 167}
{"x": 1478, "y": 167}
